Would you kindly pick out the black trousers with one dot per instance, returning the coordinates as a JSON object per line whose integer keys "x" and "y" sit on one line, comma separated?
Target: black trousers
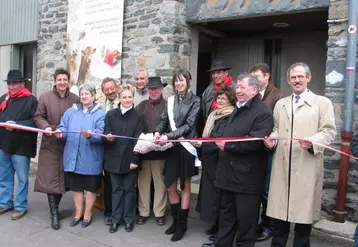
{"x": 124, "y": 197}
{"x": 282, "y": 230}
{"x": 239, "y": 215}
{"x": 107, "y": 194}
{"x": 267, "y": 223}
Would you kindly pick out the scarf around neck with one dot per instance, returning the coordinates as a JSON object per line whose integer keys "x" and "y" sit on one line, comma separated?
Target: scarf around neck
{"x": 23, "y": 92}
{"x": 215, "y": 115}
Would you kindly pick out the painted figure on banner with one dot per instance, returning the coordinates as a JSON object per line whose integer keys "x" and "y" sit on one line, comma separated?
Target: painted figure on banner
{"x": 242, "y": 166}
{"x": 50, "y": 177}
{"x": 120, "y": 159}
{"x": 296, "y": 182}
{"x": 269, "y": 95}
{"x": 209, "y": 197}
{"x": 109, "y": 88}
{"x": 18, "y": 106}
{"x": 152, "y": 162}
{"x": 179, "y": 120}
{"x": 83, "y": 153}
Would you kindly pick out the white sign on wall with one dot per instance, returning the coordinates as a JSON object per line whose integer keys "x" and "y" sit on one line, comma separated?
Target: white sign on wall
{"x": 94, "y": 41}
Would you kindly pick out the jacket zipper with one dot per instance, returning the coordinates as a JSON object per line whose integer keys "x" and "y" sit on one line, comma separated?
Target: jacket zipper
{"x": 289, "y": 164}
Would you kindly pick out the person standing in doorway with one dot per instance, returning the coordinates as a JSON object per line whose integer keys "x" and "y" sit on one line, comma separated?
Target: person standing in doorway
{"x": 270, "y": 95}
{"x": 221, "y": 77}
{"x": 17, "y": 106}
{"x": 297, "y": 170}
{"x": 109, "y": 88}
{"x": 50, "y": 177}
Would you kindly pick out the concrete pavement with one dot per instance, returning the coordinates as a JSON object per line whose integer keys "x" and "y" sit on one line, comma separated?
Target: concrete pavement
{"x": 34, "y": 230}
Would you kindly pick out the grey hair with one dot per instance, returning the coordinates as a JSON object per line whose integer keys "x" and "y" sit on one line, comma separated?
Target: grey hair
{"x": 140, "y": 70}
{"x": 253, "y": 81}
{"x": 292, "y": 66}
{"x": 88, "y": 87}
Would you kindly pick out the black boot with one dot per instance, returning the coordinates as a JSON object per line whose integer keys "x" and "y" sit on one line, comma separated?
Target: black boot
{"x": 55, "y": 216}
{"x": 181, "y": 225}
{"x": 175, "y": 209}
{"x": 213, "y": 229}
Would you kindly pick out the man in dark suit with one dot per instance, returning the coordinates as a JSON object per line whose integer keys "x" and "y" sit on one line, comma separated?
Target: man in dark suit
{"x": 242, "y": 166}
{"x": 269, "y": 95}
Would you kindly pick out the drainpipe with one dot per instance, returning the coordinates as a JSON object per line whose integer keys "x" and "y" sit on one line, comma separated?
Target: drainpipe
{"x": 347, "y": 131}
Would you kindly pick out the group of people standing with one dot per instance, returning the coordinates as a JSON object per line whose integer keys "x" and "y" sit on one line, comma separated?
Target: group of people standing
{"x": 80, "y": 150}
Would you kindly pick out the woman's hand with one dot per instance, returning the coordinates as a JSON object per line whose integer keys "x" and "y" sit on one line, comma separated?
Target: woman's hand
{"x": 163, "y": 140}
{"x": 133, "y": 166}
{"x": 220, "y": 144}
{"x": 86, "y": 133}
{"x": 110, "y": 137}
{"x": 58, "y": 133}
{"x": 196, "y": 144}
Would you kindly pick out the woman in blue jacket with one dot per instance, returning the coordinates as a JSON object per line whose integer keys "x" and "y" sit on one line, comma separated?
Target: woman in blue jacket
{"x": 83, "y": 153}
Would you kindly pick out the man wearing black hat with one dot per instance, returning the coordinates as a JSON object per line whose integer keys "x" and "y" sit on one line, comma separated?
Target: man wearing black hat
{"x": 18, "y": 106}
{"x": 152, "y": 162}
{"x": 221, "y": 77}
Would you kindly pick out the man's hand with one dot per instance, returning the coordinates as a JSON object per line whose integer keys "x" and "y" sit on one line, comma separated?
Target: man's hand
{"x": 110, "y": 137}
{"x": 163, "y": 140}
{"x": 133, "y": 166}
{"x": 58, "y": 133}
{"x": 220, "y": 144}
{"x": 305, "y": 144}
{"x": 49, "y": 133}
{"x": 86, "y": 133}
{"x": 196, "y": 144}
{"x": 270, "y": 143}
{"x": 10, "y": 122}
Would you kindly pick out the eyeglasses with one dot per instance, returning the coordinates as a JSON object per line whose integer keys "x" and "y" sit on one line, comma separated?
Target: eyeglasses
{"x": 300, "y": 77}
{"x": 222, "y": 98}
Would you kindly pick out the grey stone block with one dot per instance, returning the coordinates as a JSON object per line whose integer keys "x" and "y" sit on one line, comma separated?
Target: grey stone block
{"x": 168, "y": 48}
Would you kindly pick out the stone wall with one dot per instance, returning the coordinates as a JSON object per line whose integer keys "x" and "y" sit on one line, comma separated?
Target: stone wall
{"x": 335, "y": 80}
{"x": 156, "y": 37}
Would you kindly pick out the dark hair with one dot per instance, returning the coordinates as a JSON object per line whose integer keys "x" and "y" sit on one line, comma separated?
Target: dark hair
{"x": 61, "y": 72}
{"x": 182, "y": 72}
{"x": 228, "y": 91}
{"x": 263, "y": 67}
{"x": 107, "y": 79}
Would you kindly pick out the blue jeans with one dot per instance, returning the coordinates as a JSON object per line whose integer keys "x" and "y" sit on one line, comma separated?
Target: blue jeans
{"x": 356, "y": 237}
{"x": 9, "y": 164}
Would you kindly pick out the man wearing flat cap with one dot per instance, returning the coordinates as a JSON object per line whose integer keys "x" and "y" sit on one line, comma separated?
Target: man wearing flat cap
{"x": 17, "y": 106}
{"x": 152, "y": 162}
{"x": 221, "y": 77}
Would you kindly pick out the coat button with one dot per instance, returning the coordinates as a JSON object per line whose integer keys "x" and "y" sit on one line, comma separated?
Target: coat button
{"x": 286, "y": 130}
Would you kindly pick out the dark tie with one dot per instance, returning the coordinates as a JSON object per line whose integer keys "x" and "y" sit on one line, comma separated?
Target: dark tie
{"x": 297, "y": 97}
{"x": 111, "y": 105}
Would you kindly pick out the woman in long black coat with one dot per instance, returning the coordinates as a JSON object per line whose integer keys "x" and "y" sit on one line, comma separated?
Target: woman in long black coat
{"x": 120, "y": 160}
{"x": 178, "y": 120}
{"x": 208, "y": 204}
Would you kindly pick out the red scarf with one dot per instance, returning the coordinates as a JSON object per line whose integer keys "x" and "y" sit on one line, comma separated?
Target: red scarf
{"x": 23, "y": 92}
{"x": 227, "y": 82}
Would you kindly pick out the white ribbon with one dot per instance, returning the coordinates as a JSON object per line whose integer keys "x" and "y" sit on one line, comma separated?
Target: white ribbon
{"x": 190, "y": 148}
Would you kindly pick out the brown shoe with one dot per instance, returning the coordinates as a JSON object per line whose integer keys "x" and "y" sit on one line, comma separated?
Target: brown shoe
{"x": 18, "y": 214}
{"x": 160, "y": 221}
{"x": 4, "y": 210}
{"x": 142, "y": 220}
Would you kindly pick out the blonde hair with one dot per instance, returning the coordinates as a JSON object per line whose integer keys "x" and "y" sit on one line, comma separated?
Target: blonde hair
{"x": 124, "y": 87}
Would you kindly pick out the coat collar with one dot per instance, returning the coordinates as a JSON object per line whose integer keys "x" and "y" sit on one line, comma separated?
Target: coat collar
{"x": 308, "y": 100}
{"x": 91, "y": 109}
{"x": 55, "y": 91}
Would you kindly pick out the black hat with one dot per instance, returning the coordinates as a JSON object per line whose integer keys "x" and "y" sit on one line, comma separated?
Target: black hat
{"x": 14, "y": 76}
{"x": 155, "y": 81}
{"x": 218, "y": 65}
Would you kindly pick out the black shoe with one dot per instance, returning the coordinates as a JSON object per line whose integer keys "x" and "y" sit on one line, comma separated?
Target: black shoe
{"x": 172, "y": 228}
{"x": 108, "y": 220}
{"x": 75, "y": 222}
{"x": 129, "y": 227}
{"x": 212, "y": 230}
{"x": 142, "y": 220}
{"x": 213, "y": 238}
{"x": 208, "y": 245}
{"x": 5, "y": 210}
{"x": 160, "y": 221}
{"x": 86, "y": 223}
{"x": 263, "y": 236}
{"x": 113, "y": 228}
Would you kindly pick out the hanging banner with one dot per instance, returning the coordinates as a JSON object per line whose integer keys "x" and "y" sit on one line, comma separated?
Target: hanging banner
{"x": 94, "y": 41}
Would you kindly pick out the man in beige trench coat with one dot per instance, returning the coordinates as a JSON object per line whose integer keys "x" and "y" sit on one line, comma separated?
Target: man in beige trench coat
{"x": 297, "y": 171}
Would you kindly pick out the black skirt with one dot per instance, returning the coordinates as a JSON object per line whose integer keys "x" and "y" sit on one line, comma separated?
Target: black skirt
{"x": 179, "y": 164}
{"x": 78, "y": 182}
